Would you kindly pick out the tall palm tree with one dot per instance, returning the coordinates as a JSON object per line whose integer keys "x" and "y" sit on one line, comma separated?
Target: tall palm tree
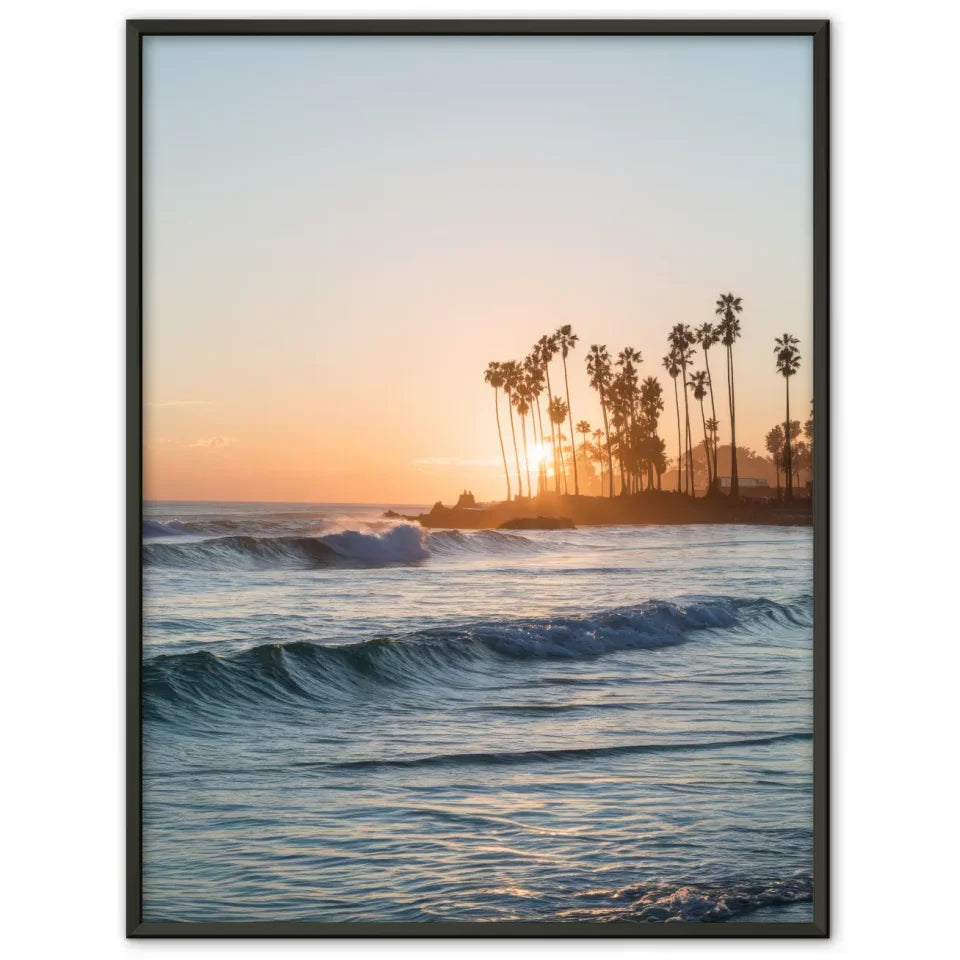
{"x": 707, "y": 336}
{"x": 698, "y": 384}
{"x": 660, "y": 459}
{"x": 583, "y": 428}
{"x": 548, "y": 350}
{"x": 598, "y": 369}
{"x": 685, "y": 360}
{"x": 567, "y": 340}
{"x": 511, "y": 379}
{"x": 713, "y": 427}
{"x": 681, "y": 338}
{"x": 558, "y": 413}
{"x": 788, "y": 362}
{"x": 775, "y": 448}
{"x": 672, "y": 366}
{"x": 494, "y": 376}
{"x": 728, "y": 306}
{"x": 533, "y": 368}
{"x": 651, "y": 406}
{"x": 521, "y": 402}
{"x": 627, "y": 361}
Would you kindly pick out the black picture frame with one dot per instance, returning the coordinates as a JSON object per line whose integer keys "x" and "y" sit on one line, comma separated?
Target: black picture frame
{"x": 819, "y": 31}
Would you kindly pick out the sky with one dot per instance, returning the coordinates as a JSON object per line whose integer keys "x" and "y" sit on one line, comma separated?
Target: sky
{"x": 341, "y": 232}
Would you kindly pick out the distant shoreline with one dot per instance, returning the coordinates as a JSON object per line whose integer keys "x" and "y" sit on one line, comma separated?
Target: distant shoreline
{"x": 651, "y": 507}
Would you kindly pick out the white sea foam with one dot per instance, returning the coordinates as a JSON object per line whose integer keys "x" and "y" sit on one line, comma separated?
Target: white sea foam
{"x": 404, "y": 543}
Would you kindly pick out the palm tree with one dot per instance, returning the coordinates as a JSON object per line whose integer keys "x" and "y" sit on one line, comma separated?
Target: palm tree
{"x": 511, "y": 379}
{"x": 548, "y": 349}
{"x": 494, "y": 376}
{"x": 521, "y": 402}
{"x": 583, "y": 428}
{"x": 672, "y": 366}
{"x": 713, "y": 427}
{"x": 660, "y": 459}
{"x": 788, "y": 362}
{"x": 533, "y": 368}
{"x": 707, "y": 335}
{"x": 680, "y": 339}
{"x": 698, "y": 384}
{"x": 629, "y": 394}
{"x": 728, "y": 306}
{"x": 567, "y": 340}
{"x": 558, "y": 413}
{"x": 651, "y": 406}
{"x": 598, "y": 369}
{"x": 775, "y": 449}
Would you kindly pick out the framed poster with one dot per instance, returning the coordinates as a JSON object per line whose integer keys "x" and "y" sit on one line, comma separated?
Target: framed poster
{"x": 477, "y": 535}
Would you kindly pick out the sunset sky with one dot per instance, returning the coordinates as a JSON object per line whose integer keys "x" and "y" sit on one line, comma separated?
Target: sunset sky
{"x": 340, "y": 233}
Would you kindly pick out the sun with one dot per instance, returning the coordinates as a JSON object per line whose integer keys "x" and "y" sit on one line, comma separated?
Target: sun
{"x": 538, "y": 454}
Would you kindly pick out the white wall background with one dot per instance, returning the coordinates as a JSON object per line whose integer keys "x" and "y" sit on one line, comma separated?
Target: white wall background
{"x": 895, "y": 221}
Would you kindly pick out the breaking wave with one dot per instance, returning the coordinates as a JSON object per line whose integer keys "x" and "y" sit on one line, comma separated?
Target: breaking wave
{"x": 435, "y": 658}
{"x": 400, "y": 544}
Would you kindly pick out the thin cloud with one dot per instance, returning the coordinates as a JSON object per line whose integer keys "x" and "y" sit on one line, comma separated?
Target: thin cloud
{"x": 213, "y": 442}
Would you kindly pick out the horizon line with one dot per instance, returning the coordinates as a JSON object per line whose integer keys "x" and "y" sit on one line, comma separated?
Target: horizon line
{"x": 311, "y": 503}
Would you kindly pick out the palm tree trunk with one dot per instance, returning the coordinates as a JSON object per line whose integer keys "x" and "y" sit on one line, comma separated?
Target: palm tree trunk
{"x": 713, "y": 410}
{"x": 573, "y": 438}
{"x": 533, "y": 432}
{"x": 606, "y": 433}
{"x": 788, "y": 459}
{"x": 503, "y": 452}
{"x": 541, "y": 467}
{"x": 516, "y": 455}
{"x": 734, "y": 476}
{"x": 688, "y": 472}
{"x": 623, "y": 479}
{"x": 526, "y": 457}
{"x": 676, "y": 400}
{"x": 553, "y": 441}
{"x": 706, "y": 446}
{"x": 563, "y": 463}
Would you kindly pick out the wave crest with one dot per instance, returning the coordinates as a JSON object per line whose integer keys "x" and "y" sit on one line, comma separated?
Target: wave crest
{"x": 451, "y": 542}
{"x": 399, "y": 544}
{"x": 432, "y": 659}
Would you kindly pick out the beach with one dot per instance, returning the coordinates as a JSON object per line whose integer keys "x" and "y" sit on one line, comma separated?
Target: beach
{"x": 348, "y": 717}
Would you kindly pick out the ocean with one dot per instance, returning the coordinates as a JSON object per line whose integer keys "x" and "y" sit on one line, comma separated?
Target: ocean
{"x": 350, "y": 718}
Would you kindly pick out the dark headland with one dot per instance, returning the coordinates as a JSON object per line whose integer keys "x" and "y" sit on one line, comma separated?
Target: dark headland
{"x": 552, "y": 511}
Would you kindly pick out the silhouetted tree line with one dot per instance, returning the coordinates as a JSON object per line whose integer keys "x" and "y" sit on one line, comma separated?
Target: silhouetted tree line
{"x": 629, "y": 452}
